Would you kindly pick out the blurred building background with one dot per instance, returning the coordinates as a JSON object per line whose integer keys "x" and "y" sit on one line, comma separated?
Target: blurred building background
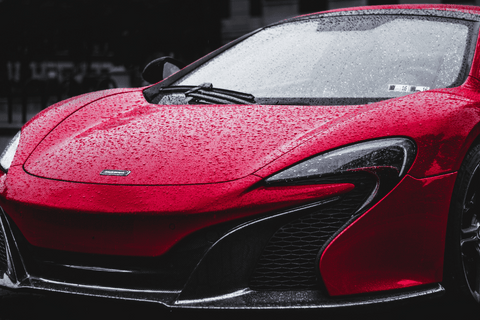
{"x": 243, "y": 16}
{"x": 54, "y": 49}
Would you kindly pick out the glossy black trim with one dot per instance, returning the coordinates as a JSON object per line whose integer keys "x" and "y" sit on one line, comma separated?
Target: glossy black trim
{"x": 311, "y": 299}
{"x": 229, "y": 263}
{"x": 16, "y": 265}
{"x": 169, "y": 271}
{"x": 153, "y": 71}
{"x": 441, "y": 12}
{"x": 318, "y": 179}
{"x": 206, "y": 92}
{"x": 301, "y": 238}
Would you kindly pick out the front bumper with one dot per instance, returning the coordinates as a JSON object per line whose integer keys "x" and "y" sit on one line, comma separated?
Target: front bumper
{"x": 225, "y": 273}
{"x": 16, "y": 277}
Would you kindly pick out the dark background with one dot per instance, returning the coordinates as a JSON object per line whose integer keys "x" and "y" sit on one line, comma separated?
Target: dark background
{"x": 38, "y": 35}
{"x": 51, "y": 49}
{"x": 125, "y": 32}
{"x": 128, "y": 34}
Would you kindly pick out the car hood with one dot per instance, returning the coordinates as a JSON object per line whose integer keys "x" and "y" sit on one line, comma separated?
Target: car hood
{"x": 171, "y": 144}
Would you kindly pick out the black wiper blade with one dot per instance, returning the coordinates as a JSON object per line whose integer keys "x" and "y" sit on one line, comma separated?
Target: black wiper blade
{"x": 202, "y": 94}
{"x": 206, "y": 94}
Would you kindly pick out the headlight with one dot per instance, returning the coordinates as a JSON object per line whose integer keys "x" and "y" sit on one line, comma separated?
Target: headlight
{"x": 393, "y": 153}
{"x": 9, "y": 152}
{"x": 375, "y": 167}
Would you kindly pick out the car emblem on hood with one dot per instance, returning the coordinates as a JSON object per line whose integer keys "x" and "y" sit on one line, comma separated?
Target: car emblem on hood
{"x": 111, "y": 172}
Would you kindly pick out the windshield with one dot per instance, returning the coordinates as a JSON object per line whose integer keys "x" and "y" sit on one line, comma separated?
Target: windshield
{"x": 342, "y": 57}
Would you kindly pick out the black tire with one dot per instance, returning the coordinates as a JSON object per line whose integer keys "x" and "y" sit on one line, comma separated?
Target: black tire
{"x": 462, "y": 258}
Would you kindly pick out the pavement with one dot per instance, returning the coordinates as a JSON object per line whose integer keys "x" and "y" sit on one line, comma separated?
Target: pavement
{"x": 52, "y": 307}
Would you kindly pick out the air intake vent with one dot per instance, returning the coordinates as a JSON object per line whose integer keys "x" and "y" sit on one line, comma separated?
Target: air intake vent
{"x": 3, "y": 252}
{"x": 288, "y": 260}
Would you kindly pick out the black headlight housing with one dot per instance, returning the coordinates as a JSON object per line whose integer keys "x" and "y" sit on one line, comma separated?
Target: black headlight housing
{"x": 382, "y": 161}
{"x": 7, "y": 156}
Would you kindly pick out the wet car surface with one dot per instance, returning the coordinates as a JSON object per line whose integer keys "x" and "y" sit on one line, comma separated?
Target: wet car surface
{"x": 328, "y": 161}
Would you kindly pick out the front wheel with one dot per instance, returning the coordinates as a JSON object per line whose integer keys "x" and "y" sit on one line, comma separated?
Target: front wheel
{"x": 462, "y": 263}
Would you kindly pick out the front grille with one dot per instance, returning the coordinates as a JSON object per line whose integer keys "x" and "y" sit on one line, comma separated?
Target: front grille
{"x": 167, "y": 272}
{"x": 289, "y": 259}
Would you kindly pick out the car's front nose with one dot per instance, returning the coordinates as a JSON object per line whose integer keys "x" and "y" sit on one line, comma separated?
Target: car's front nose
{"x": 137, "y": 220}
{"x": 240, "y": 245}
{"x": 235, "y": 240}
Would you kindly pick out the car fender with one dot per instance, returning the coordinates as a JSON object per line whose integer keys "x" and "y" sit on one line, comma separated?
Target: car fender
{"x": 443, "y": 124}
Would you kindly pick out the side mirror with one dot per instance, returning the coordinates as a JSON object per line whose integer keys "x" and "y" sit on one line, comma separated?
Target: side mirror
{"x": 160, "y": 69}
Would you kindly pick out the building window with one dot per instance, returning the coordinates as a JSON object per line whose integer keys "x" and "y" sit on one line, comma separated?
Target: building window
{"x": 256, "y": 8}
{"x": 458, "y": 2}
{"x": 380, "y": 2}
{"x": 223, "y": 7}
{"x": 310, "y": 6}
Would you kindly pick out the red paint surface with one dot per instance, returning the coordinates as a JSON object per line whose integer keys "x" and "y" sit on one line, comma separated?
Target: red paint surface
{"x": 39, "y": 126}
{"x": 163, "y": 145}
{"x": 136, "y": 220}
{"x": 443, "y": 124}
{"x": 204, "y": 144}
{"x": 398, "y": 243}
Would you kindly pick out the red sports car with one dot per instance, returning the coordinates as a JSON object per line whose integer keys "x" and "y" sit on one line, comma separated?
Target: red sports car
{"x": 328, "y": 160}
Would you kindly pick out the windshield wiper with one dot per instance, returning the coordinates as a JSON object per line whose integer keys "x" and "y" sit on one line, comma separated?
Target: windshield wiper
{"x": 202, "y": 94}
{"x": 206, "y": 94}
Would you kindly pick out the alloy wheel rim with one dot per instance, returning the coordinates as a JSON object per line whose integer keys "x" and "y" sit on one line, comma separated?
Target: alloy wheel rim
{"x": 470, "y": 235}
